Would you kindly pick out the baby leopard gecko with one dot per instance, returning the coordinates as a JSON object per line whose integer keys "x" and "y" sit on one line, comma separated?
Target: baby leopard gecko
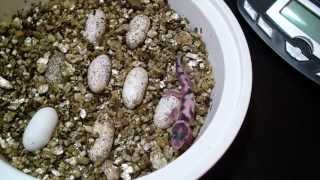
{"x": 181, "y": 133}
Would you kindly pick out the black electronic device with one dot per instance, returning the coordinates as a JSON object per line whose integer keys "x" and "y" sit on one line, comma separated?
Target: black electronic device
{"x": 291, "y": 28}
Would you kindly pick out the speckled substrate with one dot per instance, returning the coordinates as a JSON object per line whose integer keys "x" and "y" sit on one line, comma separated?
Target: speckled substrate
{"x": 139, "y": 147}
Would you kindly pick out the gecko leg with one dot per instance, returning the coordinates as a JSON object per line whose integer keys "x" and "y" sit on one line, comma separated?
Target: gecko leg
{"x": 174, "y": 115}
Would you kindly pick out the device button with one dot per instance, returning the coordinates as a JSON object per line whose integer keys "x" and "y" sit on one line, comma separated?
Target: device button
{"x": 304, "y": 44}
{"x": 295, "y": 52}
{"x": 265, "y": 27}
{"x": 251, "y": 12}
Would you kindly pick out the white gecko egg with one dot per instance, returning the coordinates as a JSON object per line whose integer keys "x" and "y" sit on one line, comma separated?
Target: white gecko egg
{"x": 138, "y": 29}
{"x": 99, "y": 73}
{"x": 134, "y": 87}
{"x": 39, "y": 130}
{"x": 95, "y": 26}
{"x": 103, "y": 144}
{"x": 163, "y": 110}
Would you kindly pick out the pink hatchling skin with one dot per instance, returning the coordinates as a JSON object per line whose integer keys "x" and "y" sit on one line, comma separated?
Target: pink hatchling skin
{"x": 181, "y": 133}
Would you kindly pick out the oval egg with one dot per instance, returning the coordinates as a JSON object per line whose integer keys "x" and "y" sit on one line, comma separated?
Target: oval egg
{"x": 40, "y": 128}
{"x": 138, "y": 29}
{"x": 99, "y": 73}
{"x": 95, "y": 26}
{"x": 134, "y": 87}
{"x": 164, "y": 113}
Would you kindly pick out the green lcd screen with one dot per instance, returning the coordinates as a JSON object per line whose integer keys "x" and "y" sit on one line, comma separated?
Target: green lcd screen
{"x": 303, "y": 18}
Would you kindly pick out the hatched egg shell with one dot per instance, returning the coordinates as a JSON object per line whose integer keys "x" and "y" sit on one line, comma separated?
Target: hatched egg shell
{"x": 54, "y": 68}
{"x": 95, "y": 26}
{"x": 163, "y": 110}
{"x": 99, "y": 73}
{"x": 138, "y": 29}
{"x": 39, "y": 130}
{"x": 134, "y": 87}
{"x": 103, "y": 144}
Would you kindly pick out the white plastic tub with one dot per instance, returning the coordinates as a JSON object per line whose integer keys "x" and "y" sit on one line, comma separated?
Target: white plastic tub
{"x": 229, "y": 54}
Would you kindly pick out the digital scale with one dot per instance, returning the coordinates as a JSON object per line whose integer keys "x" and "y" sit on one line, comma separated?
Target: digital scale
{"x": 291, "y": 28}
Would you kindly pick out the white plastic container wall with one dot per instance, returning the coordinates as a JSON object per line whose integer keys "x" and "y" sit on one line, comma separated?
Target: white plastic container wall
{"x": 229, "y": 55}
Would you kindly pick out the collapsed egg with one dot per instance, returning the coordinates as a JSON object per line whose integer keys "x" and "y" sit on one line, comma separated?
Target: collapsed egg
{"x": 103, "y": 144}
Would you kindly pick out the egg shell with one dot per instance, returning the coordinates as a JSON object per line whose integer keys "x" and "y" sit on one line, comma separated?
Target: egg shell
{"x": 163, "y": 110}
{"x": 134, "y": 87}
{"x": 99, "y": 73}
{"x": 95, "y": 26}
{"x": 103, "y": 144}
{"x": 138, "y": 29}
{"x": 54, "y": 68}
{"x": 40, "y": 128}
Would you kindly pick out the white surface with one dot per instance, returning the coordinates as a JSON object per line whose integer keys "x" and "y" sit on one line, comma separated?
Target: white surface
{"x": 40, "y": 128}
{"x": 229, "y": 54}
{"x": 265, "y": 27}
{"x": 249, "y": 9}
{"x": 295, "y": 52}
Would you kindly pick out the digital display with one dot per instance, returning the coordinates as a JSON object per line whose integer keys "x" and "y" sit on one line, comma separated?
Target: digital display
{"x": 303, "y": 18}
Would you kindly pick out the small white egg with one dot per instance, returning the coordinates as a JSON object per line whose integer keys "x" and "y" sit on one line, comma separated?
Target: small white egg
{"x": 134, "y": 87}
{"x": 163, "y": 110}
{"x": 138, "y": 29}
{"x": 95, "y": 26}
{"x": 99, "y": 73}
{"x": 39, "y": 130}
